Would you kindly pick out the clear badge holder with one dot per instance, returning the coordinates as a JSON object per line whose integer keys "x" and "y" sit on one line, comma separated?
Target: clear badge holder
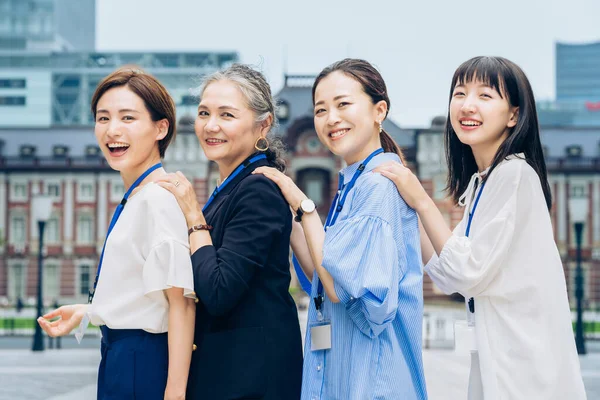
{"x": 85, "y": 321}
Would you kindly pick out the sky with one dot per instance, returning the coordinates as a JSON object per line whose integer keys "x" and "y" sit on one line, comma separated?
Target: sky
{"x": 416, "y": 44}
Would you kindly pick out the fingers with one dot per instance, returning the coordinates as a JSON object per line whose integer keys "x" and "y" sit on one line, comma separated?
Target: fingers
{"x": 52, "y": 331}
{"x": 55, "y": 313}
{"x": 167, "y": 185}
{"x": 181, "y": 177}
{"x": 266, "y": 170}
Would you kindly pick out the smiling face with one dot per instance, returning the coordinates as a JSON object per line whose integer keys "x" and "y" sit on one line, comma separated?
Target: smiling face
{"x": 346, "y": 118}
{"x": 126, "y": 133}
{"x": 226, "y": 127}
{"x": 480, "y": 116}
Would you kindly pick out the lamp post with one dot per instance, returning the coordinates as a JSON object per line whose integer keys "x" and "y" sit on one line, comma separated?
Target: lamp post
{"x": 578, "y": 210}
{"x": 41, "y": 207}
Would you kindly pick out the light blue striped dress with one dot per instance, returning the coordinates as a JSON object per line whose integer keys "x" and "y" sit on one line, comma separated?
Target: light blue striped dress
{"x": 374, "y": 256}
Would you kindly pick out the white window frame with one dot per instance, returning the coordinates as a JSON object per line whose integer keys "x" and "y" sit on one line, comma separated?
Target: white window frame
{"x": 14, "y": 195}
{"x": 83, "y": 197}
{"x": 50, "y": 265}
{"x": 51, "y": 183}
{"x": 117, "y": 190}
{"x": 80, "y": 216}
{"x": 48, "y": 239}
{"x": 12, "y": 290}
{"x": 12, "y": 233}
{"x": 91, "y": 264}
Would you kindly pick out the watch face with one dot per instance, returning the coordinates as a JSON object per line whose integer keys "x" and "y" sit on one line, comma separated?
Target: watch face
{"x": 307, "y": 206}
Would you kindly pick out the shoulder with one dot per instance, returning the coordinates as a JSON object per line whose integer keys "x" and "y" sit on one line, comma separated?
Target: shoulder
{"x": 376, "y": 185}
{"x": 510, "y": 171}
{"x": 259, "y": 191}
{"x": 377, "y": 196}
{"x": 159, "y": 201}
{"x": 258, "y": 182}
{"x": 515, "y": 171}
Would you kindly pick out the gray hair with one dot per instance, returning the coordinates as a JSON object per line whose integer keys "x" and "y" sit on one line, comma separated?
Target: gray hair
{"x": 257, "y": 92}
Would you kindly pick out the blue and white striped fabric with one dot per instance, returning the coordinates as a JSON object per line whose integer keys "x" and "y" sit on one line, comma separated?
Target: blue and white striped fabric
{"x": 374, "y": 256}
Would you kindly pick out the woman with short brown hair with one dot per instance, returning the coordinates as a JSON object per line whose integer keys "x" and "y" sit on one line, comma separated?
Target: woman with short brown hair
{"x": 144, "y": 283}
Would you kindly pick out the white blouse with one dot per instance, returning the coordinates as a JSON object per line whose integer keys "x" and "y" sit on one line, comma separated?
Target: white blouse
{"x": 146, "y": 253}
{"x": 511, "y": 266}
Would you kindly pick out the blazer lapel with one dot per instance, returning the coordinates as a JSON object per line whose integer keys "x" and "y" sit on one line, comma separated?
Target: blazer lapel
{"x": 224, "y": 193}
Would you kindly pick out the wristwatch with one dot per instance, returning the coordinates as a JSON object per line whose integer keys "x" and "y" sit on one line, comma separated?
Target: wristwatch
{"x": 306, "y": 207}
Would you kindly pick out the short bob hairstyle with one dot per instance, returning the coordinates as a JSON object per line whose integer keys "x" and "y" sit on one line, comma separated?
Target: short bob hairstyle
{"x": 157, "y": 100}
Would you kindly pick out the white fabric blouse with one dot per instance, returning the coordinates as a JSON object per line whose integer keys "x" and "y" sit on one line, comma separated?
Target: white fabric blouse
{"x": 511, "y": 266}
{"x": 146, "y": 253}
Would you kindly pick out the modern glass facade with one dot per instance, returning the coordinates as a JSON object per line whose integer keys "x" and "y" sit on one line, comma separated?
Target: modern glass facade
{"x": 577, "y": 87}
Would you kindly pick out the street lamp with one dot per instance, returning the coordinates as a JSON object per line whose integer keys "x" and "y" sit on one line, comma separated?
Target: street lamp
{"x": 41, "y": 208}
{"x": 578, "y": 210}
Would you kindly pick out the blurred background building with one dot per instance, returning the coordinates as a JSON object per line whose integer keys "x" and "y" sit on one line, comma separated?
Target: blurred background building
{"x": 49, "y": 70}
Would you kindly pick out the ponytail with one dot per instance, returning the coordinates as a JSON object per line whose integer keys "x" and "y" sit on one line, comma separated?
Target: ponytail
{"x": 390, "y": 146}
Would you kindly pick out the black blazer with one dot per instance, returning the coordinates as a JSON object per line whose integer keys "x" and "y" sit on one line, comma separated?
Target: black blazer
{"x": 247, "y": 331}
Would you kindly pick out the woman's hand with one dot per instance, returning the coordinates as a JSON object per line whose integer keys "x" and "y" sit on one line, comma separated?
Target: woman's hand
{"x": 293, "y": 195}
{"x": 184, "y": 192}
{"x": 407, "y": 183}
{"x": 70, "y": 318}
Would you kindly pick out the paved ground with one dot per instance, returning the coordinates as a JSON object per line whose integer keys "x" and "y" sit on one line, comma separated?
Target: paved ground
{"x": 70, "y": 373}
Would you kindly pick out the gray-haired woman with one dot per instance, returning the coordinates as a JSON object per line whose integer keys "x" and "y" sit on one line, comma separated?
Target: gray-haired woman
{"x": 247, "y": 331}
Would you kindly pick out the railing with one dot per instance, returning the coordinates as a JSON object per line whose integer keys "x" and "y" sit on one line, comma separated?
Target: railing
{"x": 573, "y": 163}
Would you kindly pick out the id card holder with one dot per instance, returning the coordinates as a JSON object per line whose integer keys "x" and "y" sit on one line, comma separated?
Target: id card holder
{"x": 85, "y": 321}
{"x": 464, "y": 337}
{"x": 320, "y": 335}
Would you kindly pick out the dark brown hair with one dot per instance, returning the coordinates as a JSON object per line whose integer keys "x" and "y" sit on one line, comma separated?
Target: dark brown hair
{"x": 157, "y": 100}
{"x": 373, "y": 85}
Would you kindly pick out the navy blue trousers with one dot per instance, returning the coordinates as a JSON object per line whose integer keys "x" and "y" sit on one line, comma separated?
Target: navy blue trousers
{"x": 134, "y": 365}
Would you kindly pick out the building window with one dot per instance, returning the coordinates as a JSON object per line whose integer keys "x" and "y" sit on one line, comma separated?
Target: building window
{"x": 52, "y": 230}
{"x": 17, "y": 230}
{"x": 12, "y": 84}
{"x": 19, "y": 192}
{"x": 51, "y": 281}
{"x": 85, "y": 229}
{"x": 12, "y": 101}
{"x": 578, "y": 191}
{"x": 314, "y": 190}
{"x": 85, "y": 276}
{"x": 17, "y": 281}
{"x": 86, "y": 192}
{"x": 53, "y": 189}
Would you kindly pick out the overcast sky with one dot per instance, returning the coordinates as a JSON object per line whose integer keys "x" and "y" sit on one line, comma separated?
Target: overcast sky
{"x": 416, "y": 44}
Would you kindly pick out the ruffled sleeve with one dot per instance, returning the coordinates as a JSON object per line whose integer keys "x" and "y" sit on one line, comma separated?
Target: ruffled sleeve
{"x": 167, "y": 263}
{"x": 363, "y": 259}
{"x": 167, "y": 266}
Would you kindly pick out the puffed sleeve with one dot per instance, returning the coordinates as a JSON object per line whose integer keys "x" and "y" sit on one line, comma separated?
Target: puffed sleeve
{"x": 363, "y": 259}
{"x": 168, "y": 263}
{"x": 468, "y": 265}
{"x": 222, "y": 277}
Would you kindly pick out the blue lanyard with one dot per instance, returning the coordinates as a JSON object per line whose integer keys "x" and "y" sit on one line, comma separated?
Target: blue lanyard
{"x": 235, "y": 173}
{"x": 113, "y": 222}
{"x": 471, "y": 300}
{"x": 336, "y": 208}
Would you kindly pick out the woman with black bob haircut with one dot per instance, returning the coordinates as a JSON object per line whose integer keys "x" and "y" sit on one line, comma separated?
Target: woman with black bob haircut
{"x": 502, "y": 256}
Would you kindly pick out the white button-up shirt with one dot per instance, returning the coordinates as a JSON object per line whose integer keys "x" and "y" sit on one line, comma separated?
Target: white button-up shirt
{"x": 511, "y": 266}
